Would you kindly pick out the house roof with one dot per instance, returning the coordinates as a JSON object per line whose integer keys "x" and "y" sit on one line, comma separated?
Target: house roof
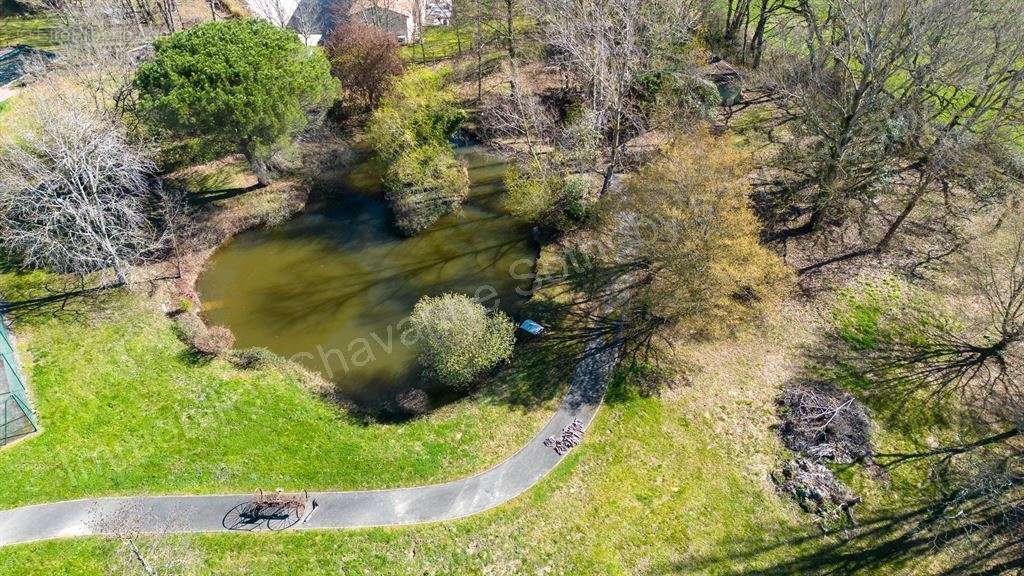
{"x": 13, "y": 60}
{"x": 321, "y": 12}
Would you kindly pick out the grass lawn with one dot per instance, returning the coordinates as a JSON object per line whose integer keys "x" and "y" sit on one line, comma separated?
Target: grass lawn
{"x": 662, "y": 485}
{"x": 125, "y": 409}
{"x": 676, "y": 484}
{"x": 32, "y": 30}
{"x": 439, "y": 42}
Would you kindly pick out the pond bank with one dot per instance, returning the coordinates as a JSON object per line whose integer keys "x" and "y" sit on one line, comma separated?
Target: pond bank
{"x": 332, "y": 288}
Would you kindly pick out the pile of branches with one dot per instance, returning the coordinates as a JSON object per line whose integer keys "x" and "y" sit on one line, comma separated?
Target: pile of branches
{"x": 822, "y": 422}
{"x": 816, "y": 489}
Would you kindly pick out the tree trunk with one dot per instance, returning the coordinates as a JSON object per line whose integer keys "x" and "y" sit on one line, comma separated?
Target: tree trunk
{"x": 830, "y": 172}
{"x": 510, "y": 33}
{"x": 757, "y": 43}
{"x": 479, "y": 54}
{"x": 458, "y": 33}
{"x": 259, "y": 167}
{"x": 609, "y": 171}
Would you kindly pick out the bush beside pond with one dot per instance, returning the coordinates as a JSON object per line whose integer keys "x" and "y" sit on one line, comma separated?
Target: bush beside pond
{"x": 411, "y": 133}
{"x": 459, "y": 339}
{"x": 558, "y": 203}
{"x": 423, "y": 185}
{"x": 208, "y": 341}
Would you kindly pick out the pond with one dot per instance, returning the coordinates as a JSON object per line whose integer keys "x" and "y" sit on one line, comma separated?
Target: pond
{"x": 333, "y": 287}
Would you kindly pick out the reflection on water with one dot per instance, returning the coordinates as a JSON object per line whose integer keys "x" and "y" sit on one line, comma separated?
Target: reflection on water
{"x": 332, "y": 288}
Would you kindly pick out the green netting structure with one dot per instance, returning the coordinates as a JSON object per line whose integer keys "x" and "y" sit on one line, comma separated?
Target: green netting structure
{"x": 16, "y": 419}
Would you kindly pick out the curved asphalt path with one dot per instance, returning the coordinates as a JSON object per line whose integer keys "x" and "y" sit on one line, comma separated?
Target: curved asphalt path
{"x": 336, "y": 510}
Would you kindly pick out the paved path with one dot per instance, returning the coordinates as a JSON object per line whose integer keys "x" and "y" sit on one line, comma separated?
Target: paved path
{"x": 217, "y": 513}
{"x": 7, "y": 93}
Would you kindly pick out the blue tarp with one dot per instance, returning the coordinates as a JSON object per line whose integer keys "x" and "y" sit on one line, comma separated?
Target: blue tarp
{"x": 532, "y": 327}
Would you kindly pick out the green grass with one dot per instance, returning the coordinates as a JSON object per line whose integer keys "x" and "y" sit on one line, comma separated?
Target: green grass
{"x": 32, "y": 30}
{"x": 675, "y": 484}
{"x": 653, "y": 490}
{"x": 125, "y": 409}
{"x": 439, "y": 42}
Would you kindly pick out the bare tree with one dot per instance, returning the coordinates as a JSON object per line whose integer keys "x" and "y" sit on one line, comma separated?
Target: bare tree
{"x": 308, "y": 21}
{"x": 836, "y": 97}
{"x": 141, "y": 551}
{"x": 959, "y": 100}
{"x": 892, "y": 101}
{"x": 366, "y": 59}
{"x": 767, "y": 17}
{"x": 518, "y": 123}
{"x": 75, "y": 193}
{"x": 277, "y": 12}
{"x": 102, "y": 42}
{"x": 607, "y": 46}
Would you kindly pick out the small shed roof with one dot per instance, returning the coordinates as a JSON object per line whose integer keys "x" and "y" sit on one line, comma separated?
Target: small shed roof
{"x": 719, "y": 70}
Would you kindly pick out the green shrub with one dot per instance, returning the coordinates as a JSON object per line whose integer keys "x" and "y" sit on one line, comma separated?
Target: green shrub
{"x": 557, "y": 203}
{"x": 575, "y": 190}
{"x": 424, "y": 184}
{"x": 459, "y": 340}
{"x": 242, "y": 83}
{"x": 411, "y": 133}
{"x": 527, "y": 197}
{"x": 421, "y": 111}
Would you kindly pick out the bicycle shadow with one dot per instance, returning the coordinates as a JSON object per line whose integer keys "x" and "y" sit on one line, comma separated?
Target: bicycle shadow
{"x": 250, "y": 516}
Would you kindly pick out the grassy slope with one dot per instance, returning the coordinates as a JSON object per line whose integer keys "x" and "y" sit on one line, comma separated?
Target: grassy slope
{"x": 438, "y": 42}
{"x": 126, "y": 410}
{"x": 668, "y": 485}
{"x": 31, "y": 30}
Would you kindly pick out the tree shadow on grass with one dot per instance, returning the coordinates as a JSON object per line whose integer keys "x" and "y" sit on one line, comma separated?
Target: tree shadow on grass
{"x": 35, "y": 296}
{"x": 883, "y": 542}
{"x": 964, "y": 520}
{"x": 213, "y": 196}
{"x": 190, "y": 357}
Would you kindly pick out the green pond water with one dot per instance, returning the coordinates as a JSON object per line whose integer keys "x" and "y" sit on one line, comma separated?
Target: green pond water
{"x": 333, "y": 287}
